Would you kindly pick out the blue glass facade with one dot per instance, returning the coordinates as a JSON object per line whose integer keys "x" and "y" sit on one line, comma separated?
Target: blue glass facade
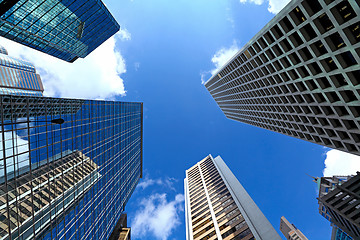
{"x": 66, "y": 29}
{"x": 18, "y": 77}
{"x": 339, "y": 234}
{"x": 70, "y": 180}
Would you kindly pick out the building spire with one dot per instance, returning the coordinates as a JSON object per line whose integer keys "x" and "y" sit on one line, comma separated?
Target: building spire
{"x": 314, "y": 178}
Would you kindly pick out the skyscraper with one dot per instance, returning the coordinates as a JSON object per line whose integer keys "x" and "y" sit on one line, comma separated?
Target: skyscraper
{"x": 218, "y": 207}
{"x": 18, "y": 77}
{"x": 290, "y": 231}
{"x": 299, "y": 75}
{"x": 341, "y": 201}
{"x": 67, "y": 30}
{"x": 326, "y": 185}
{"x": 71, "y": 179}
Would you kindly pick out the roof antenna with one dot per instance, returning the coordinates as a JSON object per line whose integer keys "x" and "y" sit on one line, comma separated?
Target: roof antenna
{"x": 314, "y": 178}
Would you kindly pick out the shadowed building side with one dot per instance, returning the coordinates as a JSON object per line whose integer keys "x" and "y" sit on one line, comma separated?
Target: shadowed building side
{"x": 341, "y": 203}
{"x": 326, "y": 185}
{"x": 121, "y": 231}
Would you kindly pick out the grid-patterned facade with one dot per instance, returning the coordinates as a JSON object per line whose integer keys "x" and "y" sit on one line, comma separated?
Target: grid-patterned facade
{"x": 211, "y": 209}
{"x": 69, "y": 180}
{"x": 18, "y": 77}
{"x": 64, "y": 29}
{"x": 343, "y": 205}
{"x": 290, "y": 231}
{"x": 299, "y": 75}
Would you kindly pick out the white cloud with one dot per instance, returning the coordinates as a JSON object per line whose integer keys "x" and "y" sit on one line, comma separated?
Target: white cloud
{"x": 147, "y": 182}
{"x": 341, "y": 163}
{"x": 222, "y": 56}
{"x": 157, "y": 216}
{"x": 97, "y": 76}
{"x": 274, "y": 7}
{"x": 124, "y": 34}
{"x": 203, "y": 75}
{"x": 166, "y": 182}
{"x": 257, "y": 2}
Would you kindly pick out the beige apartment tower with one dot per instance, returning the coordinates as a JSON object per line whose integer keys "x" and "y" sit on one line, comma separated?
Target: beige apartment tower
{"x": 290, "y": 231}
{"x": 218, "y": 207}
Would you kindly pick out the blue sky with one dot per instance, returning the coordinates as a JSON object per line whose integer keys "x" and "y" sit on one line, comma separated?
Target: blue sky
{"x": 160, "y": 57}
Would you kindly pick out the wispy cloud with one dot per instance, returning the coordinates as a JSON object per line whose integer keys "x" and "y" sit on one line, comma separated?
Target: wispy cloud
{"x": 257, "y": 2}
{"x": 96, "y": 77}
{"x": 222, "y": 56}
{"x": 340, "y": 163}
{"x": 157, "y": 216}
{"x": 147, "y": 182}
{"x": 136, "y": 66}
{"x": 167, "y": 182}
{"x": 274, "y": 7}
{"x": 219, "y": 59}
{"x": 124, "y": 34}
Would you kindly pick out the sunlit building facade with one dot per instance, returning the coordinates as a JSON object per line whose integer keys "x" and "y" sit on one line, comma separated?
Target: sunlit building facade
{"x": 290, "y": 231}
{"x": 69, "y": 180}
{"x": 299, "y": 75}
{"x": 218, "y": 207}
{"x": 67, "y": 29}
{"x": 18, "y": 77}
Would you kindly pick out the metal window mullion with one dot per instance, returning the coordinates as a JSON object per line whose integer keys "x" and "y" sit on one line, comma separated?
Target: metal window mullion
{"x": 48, "y": 166}
{"x": 5, "y": 169}
{"x": 62, "y": 173}
{"x": 15, "y": 175}
{"x": 30, "y": 165}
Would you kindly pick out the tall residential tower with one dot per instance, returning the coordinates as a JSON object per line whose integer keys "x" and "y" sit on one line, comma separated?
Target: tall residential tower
{"x": 71, "y": 179}
{"x": 300, "y": 75}
{"x": 218, "y": 207}
{"x": 290, "y": 231}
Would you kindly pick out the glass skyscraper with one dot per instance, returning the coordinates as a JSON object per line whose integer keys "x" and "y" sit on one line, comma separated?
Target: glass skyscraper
{"x": 18, "y": 77}
{"x": 66, "y": 29}
{"x": 69, "y": 180}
